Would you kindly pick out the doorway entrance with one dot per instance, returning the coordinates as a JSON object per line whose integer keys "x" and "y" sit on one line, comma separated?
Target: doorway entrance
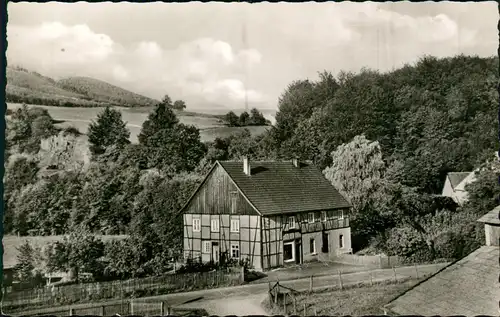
{"x": 215, "y": 252}
{"x": 289, "y": 251}
{"x": 324, "y": 247}
{"x": 298, "y": 251}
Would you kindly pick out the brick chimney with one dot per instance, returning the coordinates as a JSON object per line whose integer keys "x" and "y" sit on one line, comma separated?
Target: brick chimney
{"x": 246, "y": 166}
{"x": 295, "y": 162}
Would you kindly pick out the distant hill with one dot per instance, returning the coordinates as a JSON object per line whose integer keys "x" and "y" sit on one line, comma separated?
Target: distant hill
{"x": 104, "y": 92}
{"x": 29, "y": 87}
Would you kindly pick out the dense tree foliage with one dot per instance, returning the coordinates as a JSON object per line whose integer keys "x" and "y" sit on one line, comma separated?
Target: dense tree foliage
{"x": 179, "y": 105}
{"x": 26, "y": 127}
{"x": 79, "y": 252}
{"x": 255, "y": 118}
{"x": 385, "y": 140}
{"x": 433, "y": 117}
{"x": 170, "y": 145}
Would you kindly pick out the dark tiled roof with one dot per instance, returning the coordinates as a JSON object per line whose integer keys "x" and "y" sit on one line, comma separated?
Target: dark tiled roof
{"x": 468, "y": 287}
{"x": 280, "y": 187}
{"x": 457, "y": 177}
{"x": 492, "y": 217}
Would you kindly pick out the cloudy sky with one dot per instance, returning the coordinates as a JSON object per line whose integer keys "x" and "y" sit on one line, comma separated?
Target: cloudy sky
{"x": 209, "y": 54}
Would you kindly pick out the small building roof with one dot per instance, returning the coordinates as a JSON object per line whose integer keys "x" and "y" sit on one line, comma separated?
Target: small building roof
{"x": 457, "y": 177}
{"x": 492, "y": 217}
{"x": 280, "y": 187}
{"x": 467, "y": 287}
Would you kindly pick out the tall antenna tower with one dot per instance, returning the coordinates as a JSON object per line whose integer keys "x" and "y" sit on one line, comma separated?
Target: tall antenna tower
{"x": 245, "y": 46}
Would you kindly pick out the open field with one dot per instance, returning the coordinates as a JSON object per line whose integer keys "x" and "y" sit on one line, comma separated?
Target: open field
{"x": 80, "y": 118}
{"x": 351, "y": 301}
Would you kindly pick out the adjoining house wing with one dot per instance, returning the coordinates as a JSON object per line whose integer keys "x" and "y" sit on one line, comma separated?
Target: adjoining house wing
{"x": 281, "y": 187}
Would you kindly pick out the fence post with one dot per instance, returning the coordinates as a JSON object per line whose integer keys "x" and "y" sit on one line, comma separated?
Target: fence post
{"x": 131, "y": 307}
{"x": 162, "y": 308}
{"x": 242, "y": 277}
{"x": 315, "y": 311}
{"x": 394, "y": 270}
{"x": 169, "y": 311}
{"x": 71, "y": 312}
{"x": 371, "y": 279}
{"x": 284, "y": 303}
{"x": 416, "y": 270}
{"x": 294, "y": 305}
{"x": 305, "y": 309}
{"x": 311, "y": 283}
{"x": 340, "y": 280}
{"x": 103, "y": 310}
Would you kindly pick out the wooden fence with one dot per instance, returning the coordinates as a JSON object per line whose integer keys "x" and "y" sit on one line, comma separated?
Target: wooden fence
{"x": 151, "y": 286}
{"x": 379, "y": 261}
{"x": 286, "y": 301}
{"x": 127, "y": 308}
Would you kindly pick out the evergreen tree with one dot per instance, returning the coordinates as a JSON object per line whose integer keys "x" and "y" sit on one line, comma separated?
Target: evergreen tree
{"x": 25, "y": 262}
{"x": 108, "y": 130}
{"x": 244, "y": 119}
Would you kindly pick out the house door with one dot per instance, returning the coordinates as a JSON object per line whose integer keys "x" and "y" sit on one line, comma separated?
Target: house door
{"x": 215, "y": 252}
{"x": 298, "y": 252}
{"x": 324, "y": 247}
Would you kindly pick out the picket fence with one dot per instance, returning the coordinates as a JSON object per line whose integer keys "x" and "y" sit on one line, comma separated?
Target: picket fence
{"x": 88, "y": 292}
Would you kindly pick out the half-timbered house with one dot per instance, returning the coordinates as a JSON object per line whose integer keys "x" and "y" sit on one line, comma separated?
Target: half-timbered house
{"x": 271, "y": 213}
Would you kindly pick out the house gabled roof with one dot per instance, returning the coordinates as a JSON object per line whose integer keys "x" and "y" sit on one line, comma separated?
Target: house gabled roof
{"x": 491, "y": 217}
{"x": 456, "y": 178}
{"x": 467, "y": 287}
{"x": 280, "y": 187}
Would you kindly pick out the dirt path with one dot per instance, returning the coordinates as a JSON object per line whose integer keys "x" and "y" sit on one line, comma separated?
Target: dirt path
{"x": 240, "y": 306}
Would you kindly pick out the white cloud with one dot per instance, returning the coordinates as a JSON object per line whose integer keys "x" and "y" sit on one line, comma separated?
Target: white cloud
{"x": 213, "y": 61}
{"x": 205, "y": 66}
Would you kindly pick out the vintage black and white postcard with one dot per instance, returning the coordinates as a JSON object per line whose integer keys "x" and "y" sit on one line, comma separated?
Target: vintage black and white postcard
{"x": 335, "y": 158}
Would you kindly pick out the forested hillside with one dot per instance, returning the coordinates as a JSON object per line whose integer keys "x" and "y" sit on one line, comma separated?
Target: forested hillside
{"x": 385, "y": 140}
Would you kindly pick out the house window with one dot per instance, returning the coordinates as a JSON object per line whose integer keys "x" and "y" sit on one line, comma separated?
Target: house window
{"x": 289, "y": 251}
{"x": 235, "y": 251}
{"x": 197, "y": 225}
{"x": 234, "y": 202}
{"x": 323, "y": 215}
{"x": 341, "y": 214}
{"x": 267, "y": 223}
{"x": 291, "y": 222}
{"x": 311, "y": 217}
{"x": 341, "y": 241}
{"x": 235, "y": 225}
{"x": 312, "y": 246}
{"x": 207, "y": 246}
{"x": 215, "y": 225}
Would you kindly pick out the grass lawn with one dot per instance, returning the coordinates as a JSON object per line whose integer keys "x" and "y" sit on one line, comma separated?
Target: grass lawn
{"x": 354, "y": 301}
